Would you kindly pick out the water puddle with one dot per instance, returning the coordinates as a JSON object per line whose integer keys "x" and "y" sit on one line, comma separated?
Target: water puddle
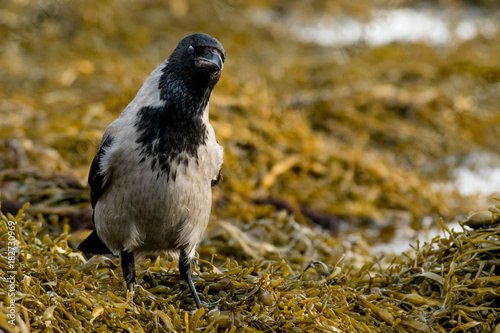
{"x": 483, "y": 180}
{"x": 404, "y": 25}
{"x": 476, "y": 174}
{"x": 406, "y": 237}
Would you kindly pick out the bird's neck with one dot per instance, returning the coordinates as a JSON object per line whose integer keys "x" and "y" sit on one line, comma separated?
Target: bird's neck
{"x": 185, "y": 99}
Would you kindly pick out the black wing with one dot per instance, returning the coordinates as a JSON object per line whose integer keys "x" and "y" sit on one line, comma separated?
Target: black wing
{"x": 96, "y": 177}
{"x": 94, "y": 244}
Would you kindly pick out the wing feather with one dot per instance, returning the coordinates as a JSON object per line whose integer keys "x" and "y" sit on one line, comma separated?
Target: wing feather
{"x": 96, "y": 175}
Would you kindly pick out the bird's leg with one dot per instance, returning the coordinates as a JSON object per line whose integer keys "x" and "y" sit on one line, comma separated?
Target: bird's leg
{"x": 186, "y": 270}
{"x": 128, "y": 268}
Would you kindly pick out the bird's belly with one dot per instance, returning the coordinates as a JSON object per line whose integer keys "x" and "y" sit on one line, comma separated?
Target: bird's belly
{"x": 145, "y": 210}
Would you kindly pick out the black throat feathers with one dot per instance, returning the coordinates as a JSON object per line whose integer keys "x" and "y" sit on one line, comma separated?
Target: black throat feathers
{"x": 169, "y": 135}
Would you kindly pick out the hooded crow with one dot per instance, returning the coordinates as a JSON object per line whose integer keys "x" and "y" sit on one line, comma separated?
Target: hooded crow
{"x": 152, "y": 176}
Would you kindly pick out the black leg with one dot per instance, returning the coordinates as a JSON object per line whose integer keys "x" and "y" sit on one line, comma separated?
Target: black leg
{"x": 128, "y": 268}
{"x": 186, "y": 269}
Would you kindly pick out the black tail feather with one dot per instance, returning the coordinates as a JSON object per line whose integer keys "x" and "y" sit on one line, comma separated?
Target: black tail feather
{"x": 93, "y": 244}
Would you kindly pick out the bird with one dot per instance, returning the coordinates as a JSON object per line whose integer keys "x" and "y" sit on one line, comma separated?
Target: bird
{"x": 151, "y": 179}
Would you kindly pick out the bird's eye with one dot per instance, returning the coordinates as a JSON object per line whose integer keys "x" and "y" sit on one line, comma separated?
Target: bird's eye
{"x": 190, "y": 49}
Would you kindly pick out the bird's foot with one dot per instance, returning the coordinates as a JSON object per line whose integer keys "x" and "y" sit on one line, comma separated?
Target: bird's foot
{"x": 130, "y": 296}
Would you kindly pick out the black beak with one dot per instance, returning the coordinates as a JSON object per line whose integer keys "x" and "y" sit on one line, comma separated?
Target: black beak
{"x": 213, "y": 64}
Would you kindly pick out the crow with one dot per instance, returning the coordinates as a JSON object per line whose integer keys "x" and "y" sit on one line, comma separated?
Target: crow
{"x": 151, "y": 179}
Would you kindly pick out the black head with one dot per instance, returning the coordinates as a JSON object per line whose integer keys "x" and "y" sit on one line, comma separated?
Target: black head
{"x": 197, "y": 60}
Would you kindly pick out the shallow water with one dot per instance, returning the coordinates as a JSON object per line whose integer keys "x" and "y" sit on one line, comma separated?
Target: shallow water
{"x": 480, "y": 174}
{"x": 404, "y": 25}
{"x": 405, "y": 237}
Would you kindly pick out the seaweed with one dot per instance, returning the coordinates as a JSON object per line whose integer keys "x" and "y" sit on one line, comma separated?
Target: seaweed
{"x": 310, "y": 283}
